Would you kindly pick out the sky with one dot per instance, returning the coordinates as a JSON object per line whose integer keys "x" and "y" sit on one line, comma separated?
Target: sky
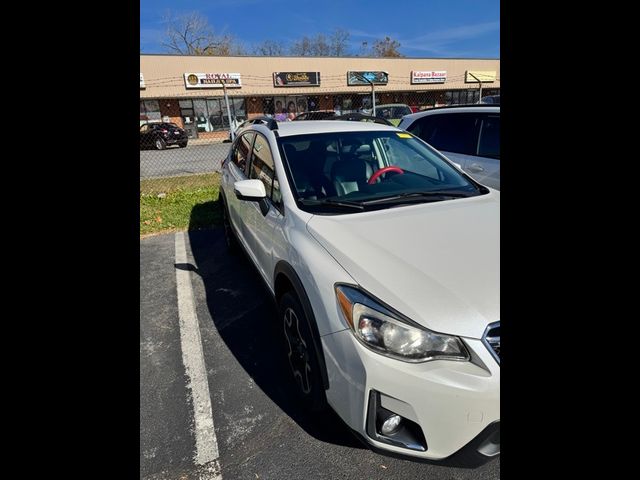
{"x": 424, "y": 28}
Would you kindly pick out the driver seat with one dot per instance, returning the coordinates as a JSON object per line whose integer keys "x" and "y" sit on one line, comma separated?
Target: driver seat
{"x": 350, "y": 175}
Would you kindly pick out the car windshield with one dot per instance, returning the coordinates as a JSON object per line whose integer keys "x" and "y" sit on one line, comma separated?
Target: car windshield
{"x": 168, "y": 125}
{"x": 330, "y": 172}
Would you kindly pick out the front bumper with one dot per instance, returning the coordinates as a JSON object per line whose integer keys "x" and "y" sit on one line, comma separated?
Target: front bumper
{"x": 174, "y": 139}
{"x": 451, "y": 403}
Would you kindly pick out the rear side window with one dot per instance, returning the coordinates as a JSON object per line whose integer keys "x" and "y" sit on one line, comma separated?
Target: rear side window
{"x": 241, "y": 150}
{"x": 455, "y": 132}
{"x": 489, "y": 143}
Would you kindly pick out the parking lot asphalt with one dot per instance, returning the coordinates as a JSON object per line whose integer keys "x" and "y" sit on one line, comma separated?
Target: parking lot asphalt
{"x": 260, "y": 430}
{"x": 176, "y": 161}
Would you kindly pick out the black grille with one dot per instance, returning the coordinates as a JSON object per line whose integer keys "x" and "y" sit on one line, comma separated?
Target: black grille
{"x": 492, "y": 339}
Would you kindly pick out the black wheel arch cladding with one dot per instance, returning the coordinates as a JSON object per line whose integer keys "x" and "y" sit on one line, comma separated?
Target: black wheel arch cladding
{"x": 284, "y": 268}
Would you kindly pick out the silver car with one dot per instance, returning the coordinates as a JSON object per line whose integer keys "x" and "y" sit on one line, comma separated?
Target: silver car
{"x": 467, "y": 135}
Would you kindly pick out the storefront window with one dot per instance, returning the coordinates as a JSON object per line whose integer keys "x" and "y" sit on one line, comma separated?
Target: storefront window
{"x": 343, "y": 104}
{"x": 313, "y": 103}
{"x": 462, "y": 97}
{"x": 211, "y": 114}
{"x": 268, "y": 108}
{"x": 238, "y": 108}
{"x": 149, "y": 111}
{"x": 200, "y": 112}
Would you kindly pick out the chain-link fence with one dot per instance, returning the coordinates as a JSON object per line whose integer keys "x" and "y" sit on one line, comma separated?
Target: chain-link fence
{"x": 187, "y": 145}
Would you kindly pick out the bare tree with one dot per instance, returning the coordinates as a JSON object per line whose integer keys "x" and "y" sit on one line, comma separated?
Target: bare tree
{"x": 364, "y": 49}
{"x": 318, "y": 46}
{"x": 386, "y": 48}
{"x": 269, "y": 48}
{"x": 321, "y": 47}
{"x": 191, "y": 34}
{"x": 302, "y": 47}
{"x": 340, "y": 42}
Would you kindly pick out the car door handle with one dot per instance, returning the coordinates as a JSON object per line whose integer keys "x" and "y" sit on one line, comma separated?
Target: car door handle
{"x": 475, "y": 168}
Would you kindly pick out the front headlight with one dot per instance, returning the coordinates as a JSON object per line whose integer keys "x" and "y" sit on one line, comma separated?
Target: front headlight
{"x": 383, "y": 331}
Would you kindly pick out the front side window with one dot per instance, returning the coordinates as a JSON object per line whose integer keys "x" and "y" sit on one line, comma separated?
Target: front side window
{"x": 241, "y": 150}
{"x": 263, "y": 169}
{"x": 372, "y": 169}
{"x": 455, "y": 132}
{"x": 262, "y": 166}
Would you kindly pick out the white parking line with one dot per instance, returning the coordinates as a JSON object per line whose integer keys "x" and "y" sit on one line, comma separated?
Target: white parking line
{"x": 193, "y": 359}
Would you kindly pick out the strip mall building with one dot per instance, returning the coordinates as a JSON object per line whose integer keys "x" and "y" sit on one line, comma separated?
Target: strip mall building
{"x": 188, "y": 90}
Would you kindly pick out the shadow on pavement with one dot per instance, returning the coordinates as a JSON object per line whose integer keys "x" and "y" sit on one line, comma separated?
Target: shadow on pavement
{"x": 244, "y": 314}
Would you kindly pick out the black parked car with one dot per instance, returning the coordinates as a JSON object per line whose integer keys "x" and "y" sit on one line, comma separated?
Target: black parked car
{"x": 160, "y": 135}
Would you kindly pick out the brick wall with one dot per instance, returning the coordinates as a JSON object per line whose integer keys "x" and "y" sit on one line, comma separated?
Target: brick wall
{"x": 171, "y": 108}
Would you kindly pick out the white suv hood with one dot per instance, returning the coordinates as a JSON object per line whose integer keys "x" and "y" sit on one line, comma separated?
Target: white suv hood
{"x": 437, "y": 263}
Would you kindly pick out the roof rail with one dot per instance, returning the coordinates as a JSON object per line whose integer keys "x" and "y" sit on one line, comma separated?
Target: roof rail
{"x": 268, "y": 121}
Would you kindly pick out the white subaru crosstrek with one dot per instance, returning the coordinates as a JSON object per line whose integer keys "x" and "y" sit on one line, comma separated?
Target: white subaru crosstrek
{"x": 383, "y": 259}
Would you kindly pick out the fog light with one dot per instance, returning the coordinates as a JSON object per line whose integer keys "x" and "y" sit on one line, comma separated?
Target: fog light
{"x": 391, "y": 424}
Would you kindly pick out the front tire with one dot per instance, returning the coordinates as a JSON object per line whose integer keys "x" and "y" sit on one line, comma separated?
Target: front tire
{"x": 160, "y": 144}
{"x": 301, "y": 353}
{"x": 183, "y": 145}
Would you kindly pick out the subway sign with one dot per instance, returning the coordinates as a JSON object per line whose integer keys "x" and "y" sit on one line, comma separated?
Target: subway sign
{"x": 428, "y": 76}
{"x": 212, "y": 80}
{"x": 367, "y": 78}
{"x": 296, "y": 79}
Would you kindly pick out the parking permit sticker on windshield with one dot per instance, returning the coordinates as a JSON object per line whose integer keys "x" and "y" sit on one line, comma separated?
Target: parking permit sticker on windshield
{"x": 404, "y": 135}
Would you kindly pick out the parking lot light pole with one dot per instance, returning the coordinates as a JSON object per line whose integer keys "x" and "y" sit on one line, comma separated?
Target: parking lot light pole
{"x": 480, "y": 82}
{"x": 373, "y": 93}
{"x": 226, "y": 101}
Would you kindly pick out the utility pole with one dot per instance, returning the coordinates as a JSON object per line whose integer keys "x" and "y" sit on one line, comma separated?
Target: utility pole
{"x": 480, "y": 82}
{"x": 226, "y": 101}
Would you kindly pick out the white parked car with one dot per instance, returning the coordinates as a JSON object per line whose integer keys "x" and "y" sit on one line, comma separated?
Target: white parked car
{"x": 467, "y": 135}
{"x": 383, "y": 258}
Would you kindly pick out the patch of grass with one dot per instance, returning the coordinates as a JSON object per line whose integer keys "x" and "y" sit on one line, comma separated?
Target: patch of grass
{"x": 179, "y": 203}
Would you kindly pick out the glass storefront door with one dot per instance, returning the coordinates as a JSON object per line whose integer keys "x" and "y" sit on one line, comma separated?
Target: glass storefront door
{"x": 188, "y": 118}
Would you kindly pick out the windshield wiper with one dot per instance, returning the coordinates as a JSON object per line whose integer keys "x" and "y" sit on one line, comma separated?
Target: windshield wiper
{"x": 401, "y": 197}
{"x": 332, "y": 203}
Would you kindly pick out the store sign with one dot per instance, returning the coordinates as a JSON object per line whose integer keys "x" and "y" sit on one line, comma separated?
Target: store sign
{"x": 296, "y": 79}
{"x": 428, "y": 76}
{"x": 142, "y": 85}
{"x": 360, "y": 78}
{"x": 477, "y": 76}
{"x": 212, "y": 80}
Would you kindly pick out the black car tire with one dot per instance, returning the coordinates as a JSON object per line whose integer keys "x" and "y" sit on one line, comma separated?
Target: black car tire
{"x": 301, "y": 353}
{"x": 183, "y": 144}
{"x": 229, "y": 234}
{"x": 160, "y": 144}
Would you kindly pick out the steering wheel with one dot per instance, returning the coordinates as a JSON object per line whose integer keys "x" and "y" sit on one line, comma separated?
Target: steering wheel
{"x": 377, "y": 173}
